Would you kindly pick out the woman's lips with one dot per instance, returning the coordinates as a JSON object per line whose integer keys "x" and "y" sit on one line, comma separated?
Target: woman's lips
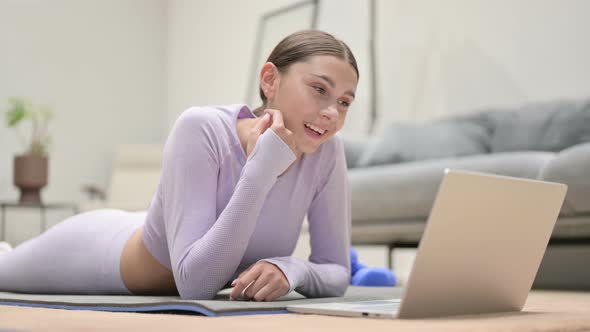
{"x": 312, "y": 133}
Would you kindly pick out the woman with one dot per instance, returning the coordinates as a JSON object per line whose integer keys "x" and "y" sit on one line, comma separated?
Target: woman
{"x": 235, "y": 187}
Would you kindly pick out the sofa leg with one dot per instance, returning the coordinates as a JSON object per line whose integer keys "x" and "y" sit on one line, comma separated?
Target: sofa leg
{"x": 390, "y": 248}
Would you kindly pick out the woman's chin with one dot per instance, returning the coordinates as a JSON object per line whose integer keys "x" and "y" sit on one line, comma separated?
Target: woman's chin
{"x": 308, "y": 145}
{"x": 310, "y": 148}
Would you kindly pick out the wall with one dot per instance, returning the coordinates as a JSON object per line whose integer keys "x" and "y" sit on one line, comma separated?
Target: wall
{"x": 210, "y": 47}
{"x": 100, "y": 65}
{"x": 440, "y": 58}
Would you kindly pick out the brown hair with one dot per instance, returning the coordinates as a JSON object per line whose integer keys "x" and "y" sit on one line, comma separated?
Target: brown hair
{"x": 301, "y": 45}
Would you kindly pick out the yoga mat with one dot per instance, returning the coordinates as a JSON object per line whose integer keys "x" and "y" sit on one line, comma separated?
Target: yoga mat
{"x": 219, "y": 306}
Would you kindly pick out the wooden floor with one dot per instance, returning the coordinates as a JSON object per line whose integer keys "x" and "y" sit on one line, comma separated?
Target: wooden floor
{"x": 544, "y": 311}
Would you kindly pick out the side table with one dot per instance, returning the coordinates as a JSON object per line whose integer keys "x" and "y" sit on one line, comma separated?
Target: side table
{"x": 42, "y": 208}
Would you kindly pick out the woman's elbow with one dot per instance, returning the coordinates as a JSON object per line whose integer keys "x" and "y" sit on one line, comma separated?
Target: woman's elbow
{"x": 338, "y": 290}
{"x": 195, "y": 293}
{"x": 336, "y": 287}
{"x": 342, "y": 282}
{"x": 193, "y": 288}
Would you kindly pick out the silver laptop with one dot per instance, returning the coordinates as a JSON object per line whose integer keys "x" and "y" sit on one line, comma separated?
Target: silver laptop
{"x": 480, "y": 251}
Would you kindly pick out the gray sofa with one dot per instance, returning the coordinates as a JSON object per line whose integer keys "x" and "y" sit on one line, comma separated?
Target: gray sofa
{"x": 394, "y": 175}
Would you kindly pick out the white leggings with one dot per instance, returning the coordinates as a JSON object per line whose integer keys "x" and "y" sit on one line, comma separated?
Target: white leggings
{"x": 80, "y": 255}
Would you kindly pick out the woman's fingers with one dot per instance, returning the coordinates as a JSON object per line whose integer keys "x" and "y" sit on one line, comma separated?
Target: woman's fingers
{"x": 278, "y": 126}
{"x": 242, "y": 283}
{"x": 262, "y": 282}
{"x": 259, "y": 128}
{"x": 274, "y": 295}
{"x": 277, "y": 119}
{"x": 263, "y": 124}
{"x": 263, "y": 293}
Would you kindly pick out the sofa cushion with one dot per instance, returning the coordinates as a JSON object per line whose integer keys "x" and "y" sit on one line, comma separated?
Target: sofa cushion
{"x": 430, "y": 140}
{"x": 384, "y": 194}
{"x": 550, "y": 126}
{"x": 353, "y": 149}
{"x": 571, "y": 166}
{"x": 410, "y": 231}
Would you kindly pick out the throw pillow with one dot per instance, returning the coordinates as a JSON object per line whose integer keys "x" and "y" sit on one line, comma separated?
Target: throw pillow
{"x": 550, "y": 126}
{"x": 430, "y": 140}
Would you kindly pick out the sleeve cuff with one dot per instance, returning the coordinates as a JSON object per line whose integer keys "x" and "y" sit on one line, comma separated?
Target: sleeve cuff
{"x": 272, "y": 154}
{"x": 289, "y": 268}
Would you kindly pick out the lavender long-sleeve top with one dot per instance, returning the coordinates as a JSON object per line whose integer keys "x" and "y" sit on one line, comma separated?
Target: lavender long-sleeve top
{"x": 216, "y": 211}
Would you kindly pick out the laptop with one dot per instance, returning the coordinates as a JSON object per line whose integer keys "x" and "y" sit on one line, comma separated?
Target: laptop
{"x": 480, "y": 251}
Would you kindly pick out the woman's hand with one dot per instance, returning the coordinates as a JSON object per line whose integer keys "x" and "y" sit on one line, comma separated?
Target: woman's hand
{"x": 278, "y": 126}
{"x": 262, "y": 281}
{"x": 258, "y": 129}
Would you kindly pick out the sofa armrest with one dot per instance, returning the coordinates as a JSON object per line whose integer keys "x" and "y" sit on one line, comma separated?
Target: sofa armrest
{"x": 85, "y": 206}
{"x": 572, "y": 167}
{"x": 94, "y": 192}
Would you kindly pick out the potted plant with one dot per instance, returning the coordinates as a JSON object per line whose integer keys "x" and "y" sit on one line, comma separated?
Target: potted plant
{"x": 30, "y": 167}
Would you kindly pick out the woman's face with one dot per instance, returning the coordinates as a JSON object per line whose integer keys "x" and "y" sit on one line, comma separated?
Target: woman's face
{"x": 316, "y": 93}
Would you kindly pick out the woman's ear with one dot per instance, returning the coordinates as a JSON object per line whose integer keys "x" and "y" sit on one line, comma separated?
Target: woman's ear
{"x": 269, "y": 80}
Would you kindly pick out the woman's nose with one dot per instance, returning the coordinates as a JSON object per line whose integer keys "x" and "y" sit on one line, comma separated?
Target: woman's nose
{"x": 330, "y": 112}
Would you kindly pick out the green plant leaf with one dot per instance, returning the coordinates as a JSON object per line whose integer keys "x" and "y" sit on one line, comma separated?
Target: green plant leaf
{"x": 22, "y": 109}
{"x": 16, "y": 112}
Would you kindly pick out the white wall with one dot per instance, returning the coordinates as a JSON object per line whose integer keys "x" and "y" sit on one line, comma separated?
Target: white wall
{"x": 439, "y": 58}
{"x": 100, "y": 64}
{"x": 210, "y": 47}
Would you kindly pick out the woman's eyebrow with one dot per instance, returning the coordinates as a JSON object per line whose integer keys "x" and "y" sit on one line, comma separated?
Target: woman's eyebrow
{"x": 331, "y": 83}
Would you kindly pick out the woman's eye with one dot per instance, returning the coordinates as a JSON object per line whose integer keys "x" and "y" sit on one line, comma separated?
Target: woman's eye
{"x": 345, "y": 103}
{"x": 319, "y": 90}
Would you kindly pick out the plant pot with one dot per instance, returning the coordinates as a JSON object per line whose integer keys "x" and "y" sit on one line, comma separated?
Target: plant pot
{"x": 30, "y": 175}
